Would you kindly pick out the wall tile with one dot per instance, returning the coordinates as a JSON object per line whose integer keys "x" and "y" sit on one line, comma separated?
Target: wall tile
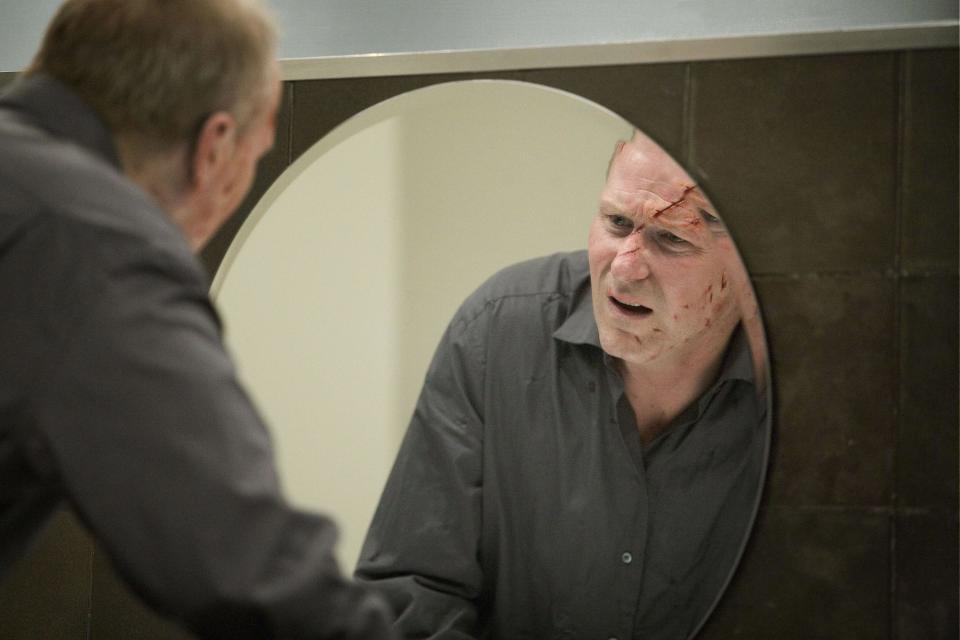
{"x": 799, "y": 156}
{"x": 833, "y": 349}
{"x": 930, "y": 168}
{"x": 926, "y": 577}
{"x": 810, "y": 575}
{"x": 47, "y": 593}
{"x": 119, "y": 615}
{"x": 269, "y": 168}
{"x": 927, "y": 442}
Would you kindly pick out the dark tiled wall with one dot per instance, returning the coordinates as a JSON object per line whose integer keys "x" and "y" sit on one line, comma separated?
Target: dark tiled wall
{"x": 838, "y": 175}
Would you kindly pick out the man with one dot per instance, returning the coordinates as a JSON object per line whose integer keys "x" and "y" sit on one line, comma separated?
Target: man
{"x": 586, "y": 454}
{"x": 130, "y": 139}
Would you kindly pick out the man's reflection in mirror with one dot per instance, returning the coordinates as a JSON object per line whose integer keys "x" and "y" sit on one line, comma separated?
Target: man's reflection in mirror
{"x": 586, "y": 453}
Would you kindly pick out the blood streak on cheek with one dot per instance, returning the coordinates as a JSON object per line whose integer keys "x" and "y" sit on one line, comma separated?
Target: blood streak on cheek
{"x": 706, "y": 323}
{"x": 723, "y": 281}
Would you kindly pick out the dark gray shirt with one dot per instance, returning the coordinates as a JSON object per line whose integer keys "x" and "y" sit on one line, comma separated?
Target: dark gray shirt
{"x": 117, "y": 398}
{"x": 522, "y": 505}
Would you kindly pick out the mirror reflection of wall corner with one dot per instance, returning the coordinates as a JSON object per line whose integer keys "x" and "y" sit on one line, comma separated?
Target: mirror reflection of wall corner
{"x": 340, "y": 284}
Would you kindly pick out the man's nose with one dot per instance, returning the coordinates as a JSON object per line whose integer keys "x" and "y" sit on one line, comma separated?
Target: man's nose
{"x": 632, "y": 259}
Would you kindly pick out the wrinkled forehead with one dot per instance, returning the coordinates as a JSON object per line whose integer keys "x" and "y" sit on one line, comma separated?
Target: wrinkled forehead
{"x": 642, "y": 162}
{"x": 644, "y": 180}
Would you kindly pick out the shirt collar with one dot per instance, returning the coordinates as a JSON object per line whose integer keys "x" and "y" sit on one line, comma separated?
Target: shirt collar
{"x": 54, "y": 107}
{"x": 580, "y": 327}
{"x": 737, "y": 361}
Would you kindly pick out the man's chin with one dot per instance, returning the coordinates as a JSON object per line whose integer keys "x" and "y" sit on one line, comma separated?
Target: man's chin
{"x": 629, "y": 347}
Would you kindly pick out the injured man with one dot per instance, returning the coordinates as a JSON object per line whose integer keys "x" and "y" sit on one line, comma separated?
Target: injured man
{"x": 587, "y": 451}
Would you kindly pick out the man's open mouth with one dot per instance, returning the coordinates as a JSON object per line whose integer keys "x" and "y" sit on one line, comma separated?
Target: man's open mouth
{"x": 631, "y": 309}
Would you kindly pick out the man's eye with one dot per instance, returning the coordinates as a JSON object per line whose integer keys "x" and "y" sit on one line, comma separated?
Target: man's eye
{"x": 620, "y": 222}
{"x": 709, "y": 217}
{"x": 672, "y": 238}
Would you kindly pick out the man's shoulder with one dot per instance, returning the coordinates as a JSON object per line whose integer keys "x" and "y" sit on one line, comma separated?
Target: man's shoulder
{"x": 557, "y": 273}
{"x": 55, "y": 188}
{"x": 526, "y": 285}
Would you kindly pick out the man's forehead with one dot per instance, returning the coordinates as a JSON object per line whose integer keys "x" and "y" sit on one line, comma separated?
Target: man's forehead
{"x": 650, "y": 198}
{"x": 643, "y": 169}
{"x": 643, "y": 178}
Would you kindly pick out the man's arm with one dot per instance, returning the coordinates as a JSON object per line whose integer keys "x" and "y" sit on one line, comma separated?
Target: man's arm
{"x": 423, "y": 547}
{"x": 162, "y": 455}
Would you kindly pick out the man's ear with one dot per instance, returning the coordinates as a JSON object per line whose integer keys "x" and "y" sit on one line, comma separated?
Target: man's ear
{"x": 212, "y": 149}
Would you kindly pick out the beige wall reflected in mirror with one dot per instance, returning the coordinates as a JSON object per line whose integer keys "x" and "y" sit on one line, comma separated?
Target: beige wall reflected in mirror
{"x": 339, "y": 285}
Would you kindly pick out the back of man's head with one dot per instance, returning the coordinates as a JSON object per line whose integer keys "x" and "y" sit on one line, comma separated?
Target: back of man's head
{"x": 155, "y": 69}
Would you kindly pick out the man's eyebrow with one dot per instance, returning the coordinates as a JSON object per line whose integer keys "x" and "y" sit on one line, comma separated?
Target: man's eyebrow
{"x": 608, "y": 208}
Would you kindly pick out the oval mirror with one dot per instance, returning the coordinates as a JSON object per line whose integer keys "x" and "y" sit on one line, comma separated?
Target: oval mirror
{"x": 339, "y": 287}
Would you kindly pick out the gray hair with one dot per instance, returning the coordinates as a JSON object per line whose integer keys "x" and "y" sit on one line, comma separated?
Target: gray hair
{"x": 156, "y": 69}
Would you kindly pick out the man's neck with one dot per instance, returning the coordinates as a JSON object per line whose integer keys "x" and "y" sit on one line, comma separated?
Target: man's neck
{"x": 658, "y": 395}
{"x": 162, "y": 177}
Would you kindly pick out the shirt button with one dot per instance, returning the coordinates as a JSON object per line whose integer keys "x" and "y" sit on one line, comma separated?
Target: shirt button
{"x": 627, "y": 557}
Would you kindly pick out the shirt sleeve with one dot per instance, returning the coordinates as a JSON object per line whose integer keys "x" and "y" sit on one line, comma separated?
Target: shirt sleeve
{"x": 160, "y": 451}
{"x": 423, "y": 547}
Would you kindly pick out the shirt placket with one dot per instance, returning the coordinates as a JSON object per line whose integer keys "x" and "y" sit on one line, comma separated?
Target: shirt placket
{"x": 631, "y": 560}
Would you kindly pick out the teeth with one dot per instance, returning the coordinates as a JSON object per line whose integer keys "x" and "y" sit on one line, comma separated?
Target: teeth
{"x": 627, "y": 305}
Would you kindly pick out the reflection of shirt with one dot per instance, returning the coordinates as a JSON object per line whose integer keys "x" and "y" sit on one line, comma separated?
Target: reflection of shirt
{"x": 521, "y": 504}
{"x": 116, "y": 397}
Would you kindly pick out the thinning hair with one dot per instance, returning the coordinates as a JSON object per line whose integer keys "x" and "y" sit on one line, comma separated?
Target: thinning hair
{"x": 156, "y": 69}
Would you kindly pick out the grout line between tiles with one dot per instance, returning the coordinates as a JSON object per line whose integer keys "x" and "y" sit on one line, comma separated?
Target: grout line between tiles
{"x": 88, "y": 622}
{"x": 880, "y": 510}
{"x": 686, "y": 126}
{"x": 822, "y": 275}
{"x": 851, "y": 273}
{"x": 901, "y": 71}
